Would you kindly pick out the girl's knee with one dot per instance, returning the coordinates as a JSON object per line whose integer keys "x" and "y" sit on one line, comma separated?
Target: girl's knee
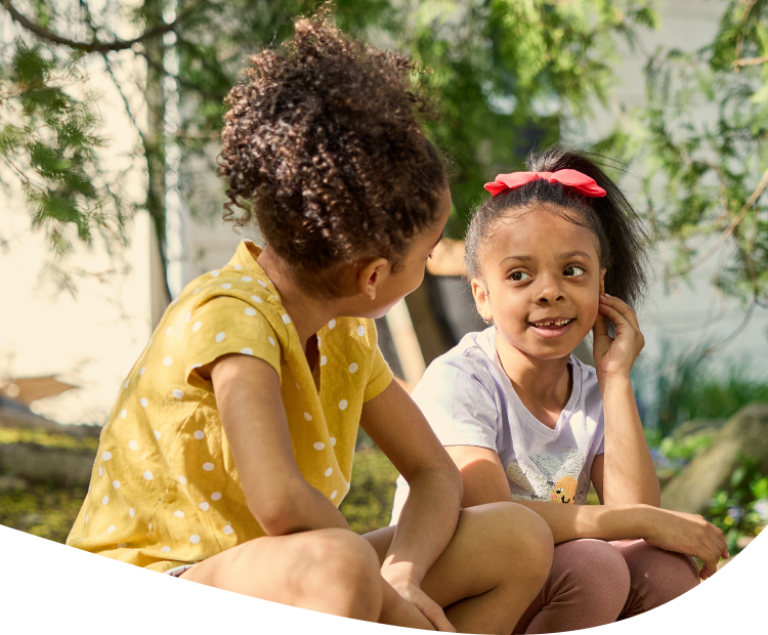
{"x": 342, "y": 570}
{"x": 596, "y": 570}
{"x": 659, "y": 576}
{"x": 522, "y": 539}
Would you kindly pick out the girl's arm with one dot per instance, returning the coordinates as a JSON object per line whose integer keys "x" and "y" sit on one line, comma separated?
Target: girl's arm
{"x": 626, "y": 473}
{"x": 247, "y": 391}
{"x": 485, "y": 482}
{"x": 429, "y": 517}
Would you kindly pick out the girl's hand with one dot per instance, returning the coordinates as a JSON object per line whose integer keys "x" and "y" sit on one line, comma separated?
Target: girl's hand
{"x": 686, "y": 533}
{"x": 411, "y": 592}
{"x": 615, "y": 357}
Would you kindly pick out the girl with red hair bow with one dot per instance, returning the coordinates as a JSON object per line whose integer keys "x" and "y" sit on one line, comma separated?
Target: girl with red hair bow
{"x": 555, "y": 254}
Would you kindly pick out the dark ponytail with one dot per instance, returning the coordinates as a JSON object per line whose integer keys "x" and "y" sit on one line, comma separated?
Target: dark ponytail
{"x": 622, "y": 242}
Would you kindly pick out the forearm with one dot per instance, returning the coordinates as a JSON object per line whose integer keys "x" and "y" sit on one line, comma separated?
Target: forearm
{"x": 629, "y": 475}
{"x": 604, "y": 522}
{"x": 426, "y": 524}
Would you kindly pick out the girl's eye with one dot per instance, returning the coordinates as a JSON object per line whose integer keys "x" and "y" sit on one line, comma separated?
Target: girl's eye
{"x": 519, "y": 276}
{"x": 574, "y": 270}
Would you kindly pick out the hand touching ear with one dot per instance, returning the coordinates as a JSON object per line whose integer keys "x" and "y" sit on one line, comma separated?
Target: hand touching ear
{"x": 615, "y": 357}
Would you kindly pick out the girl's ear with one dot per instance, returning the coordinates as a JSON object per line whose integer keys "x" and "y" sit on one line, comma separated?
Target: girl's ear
{"x": 480, "y": 293}
{"x": 370, "y": 276}
{"x": 602, "y": 280}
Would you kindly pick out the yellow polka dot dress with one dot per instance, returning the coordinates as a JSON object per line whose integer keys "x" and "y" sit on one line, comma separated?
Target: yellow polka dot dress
{"x": 164, "y": 488}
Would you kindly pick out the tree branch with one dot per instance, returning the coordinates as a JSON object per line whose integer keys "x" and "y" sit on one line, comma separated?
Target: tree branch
{"x": 94, "y": 46}
{"x": 750, "y": 61}
{"x": 734, "y": 224}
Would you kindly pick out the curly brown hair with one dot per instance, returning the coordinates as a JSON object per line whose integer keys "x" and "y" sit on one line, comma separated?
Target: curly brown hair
{"x": 323, "y": 145}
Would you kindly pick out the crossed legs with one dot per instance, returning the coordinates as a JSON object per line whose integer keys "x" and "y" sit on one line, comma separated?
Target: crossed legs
{"x": 490, "y": 572}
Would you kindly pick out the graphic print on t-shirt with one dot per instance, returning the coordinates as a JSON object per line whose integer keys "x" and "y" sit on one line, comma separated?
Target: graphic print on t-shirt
{"x": 550, "y": 479}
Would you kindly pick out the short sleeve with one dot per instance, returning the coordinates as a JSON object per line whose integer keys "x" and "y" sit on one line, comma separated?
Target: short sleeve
{"x": 381, "y": 376}
{"x": 458, "y": 406}
{"x": 224, "y": 325}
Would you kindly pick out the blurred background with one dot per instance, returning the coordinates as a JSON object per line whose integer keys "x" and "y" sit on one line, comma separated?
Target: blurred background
{"x": 110, "y": 115}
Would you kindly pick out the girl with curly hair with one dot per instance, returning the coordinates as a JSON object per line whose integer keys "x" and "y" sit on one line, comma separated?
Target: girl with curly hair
{"x": 230, "y": 446}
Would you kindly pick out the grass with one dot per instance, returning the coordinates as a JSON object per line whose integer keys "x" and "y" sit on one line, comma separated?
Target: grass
{"x": 42, "y": 510}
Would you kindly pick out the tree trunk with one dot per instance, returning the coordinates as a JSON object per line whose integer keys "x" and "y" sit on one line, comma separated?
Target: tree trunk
{"x": 154, "y": 140}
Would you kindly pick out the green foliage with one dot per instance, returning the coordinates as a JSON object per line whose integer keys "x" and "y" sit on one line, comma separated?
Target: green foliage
{"x": 681, "y": 389}
{"x": 505, "y": 72}
{"x": 48, "y": 143}
{"x": 700, "y": 146}
{"x": 685, "y": 449}
{"x": 83, "y": 445}
{"x": 41, "y": 510}
{"x": 741, "y": 510}
{"x": 368, "y": 505}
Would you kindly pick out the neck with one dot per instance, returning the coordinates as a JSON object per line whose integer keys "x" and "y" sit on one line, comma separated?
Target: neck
{"x": 308, "y": 313}
{"x": 540, "y": 383}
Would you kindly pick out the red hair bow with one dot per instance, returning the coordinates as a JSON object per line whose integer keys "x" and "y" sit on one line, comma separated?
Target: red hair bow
{"x": 571, "y": 178}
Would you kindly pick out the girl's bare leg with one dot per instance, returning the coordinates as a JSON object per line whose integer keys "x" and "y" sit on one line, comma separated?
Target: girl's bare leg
{"x": 491, "y": 570}
{"x": 328, "y": 570}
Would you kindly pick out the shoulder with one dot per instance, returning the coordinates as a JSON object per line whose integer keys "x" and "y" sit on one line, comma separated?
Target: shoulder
{"x": 468, "y": 365}
{"x": 351, "y": 332}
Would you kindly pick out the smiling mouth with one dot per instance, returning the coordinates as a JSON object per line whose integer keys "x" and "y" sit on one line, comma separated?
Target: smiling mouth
{"x": 552, "y": 324}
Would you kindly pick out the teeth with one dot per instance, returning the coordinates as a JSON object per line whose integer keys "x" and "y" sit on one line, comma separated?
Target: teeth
{"x": 552, "y": 322}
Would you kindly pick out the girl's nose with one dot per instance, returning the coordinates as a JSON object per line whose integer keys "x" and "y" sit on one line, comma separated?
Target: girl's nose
{"x": 549, "y": 291}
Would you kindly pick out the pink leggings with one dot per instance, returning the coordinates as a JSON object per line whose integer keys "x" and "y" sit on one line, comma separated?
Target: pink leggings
{"x": 593, "y": 582}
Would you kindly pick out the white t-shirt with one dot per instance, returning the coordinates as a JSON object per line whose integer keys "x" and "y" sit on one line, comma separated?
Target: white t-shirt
{"x": 468, "y": 399}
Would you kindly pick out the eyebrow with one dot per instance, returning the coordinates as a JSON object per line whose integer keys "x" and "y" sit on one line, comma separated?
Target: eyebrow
{"x": 439, "y": 239}
{"x": 563, "y": 256}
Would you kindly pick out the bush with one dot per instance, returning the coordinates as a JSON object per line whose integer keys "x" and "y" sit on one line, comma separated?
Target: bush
{"x": 679, "y": 388}
{"x": 368, "y": 505}
{"x": 741, "y": 511}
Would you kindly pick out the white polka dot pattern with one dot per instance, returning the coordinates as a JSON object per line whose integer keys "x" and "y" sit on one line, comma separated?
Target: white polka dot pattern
{"x": 144, "y": 482}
